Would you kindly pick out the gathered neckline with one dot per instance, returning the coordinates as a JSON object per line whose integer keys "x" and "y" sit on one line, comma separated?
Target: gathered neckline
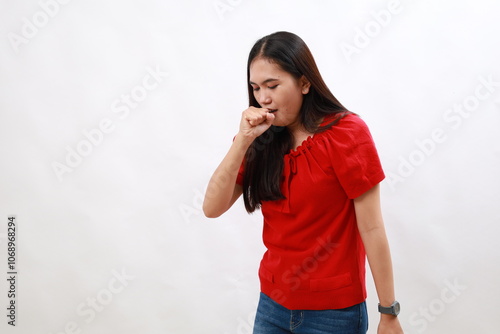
{"x": 308, "y": 142}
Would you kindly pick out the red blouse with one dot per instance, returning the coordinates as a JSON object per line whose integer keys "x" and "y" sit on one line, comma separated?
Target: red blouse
{"x": 315, "y": 258}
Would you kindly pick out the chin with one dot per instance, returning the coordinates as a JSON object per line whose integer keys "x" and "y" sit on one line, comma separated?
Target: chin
{"x": 278, "y": 122}
{"x": 282, "y": 123}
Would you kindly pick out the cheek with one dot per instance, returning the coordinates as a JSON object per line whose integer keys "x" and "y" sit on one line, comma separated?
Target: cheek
{"x": 295, "y": 101}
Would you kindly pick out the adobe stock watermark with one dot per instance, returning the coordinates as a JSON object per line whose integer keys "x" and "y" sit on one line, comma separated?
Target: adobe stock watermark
{"x": 245, "y": 326}
{"x": 449, "y": 294}
{"x": 94, "y": 137}
{"x": 221, "y": 178}
{"x": 453, "y": 118}
{"x": 88, "y": 309}
{"x": 31, "y": 26}
{"x": 371, "y": 30}
{"x": 294, "y": 276}
{"x": 223, "y": 6}
{"x": 195, "y": 208}
{"x": 297, "y": 274}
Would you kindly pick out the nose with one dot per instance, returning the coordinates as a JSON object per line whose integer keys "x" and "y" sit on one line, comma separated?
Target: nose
{"x": 264, "y": 99}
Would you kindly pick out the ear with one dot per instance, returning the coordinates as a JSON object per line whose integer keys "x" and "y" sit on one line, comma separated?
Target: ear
{"x": 305, "y": 85}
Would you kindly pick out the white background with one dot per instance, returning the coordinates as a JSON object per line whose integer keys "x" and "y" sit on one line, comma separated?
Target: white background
{"x": 117, "y": 243}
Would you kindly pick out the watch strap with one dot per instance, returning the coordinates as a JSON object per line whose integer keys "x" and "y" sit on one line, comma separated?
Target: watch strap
{"x": 393, "y": 309}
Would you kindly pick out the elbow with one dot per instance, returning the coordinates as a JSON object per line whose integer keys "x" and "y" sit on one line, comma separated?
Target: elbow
{"x": 210, "y": 212}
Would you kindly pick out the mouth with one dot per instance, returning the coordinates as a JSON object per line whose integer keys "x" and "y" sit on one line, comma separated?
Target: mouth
{"x": 273, "y": 110}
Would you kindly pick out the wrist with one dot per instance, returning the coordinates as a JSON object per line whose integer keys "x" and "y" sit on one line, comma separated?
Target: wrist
{"x": 243, "y": 140}
{"x": 388, "y": 317}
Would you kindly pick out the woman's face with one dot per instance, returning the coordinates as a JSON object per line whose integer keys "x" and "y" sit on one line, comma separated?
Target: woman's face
{"x": 278, "y": 90}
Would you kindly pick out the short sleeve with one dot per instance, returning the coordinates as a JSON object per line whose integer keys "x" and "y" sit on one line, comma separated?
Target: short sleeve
{"x": 353, "y": 156}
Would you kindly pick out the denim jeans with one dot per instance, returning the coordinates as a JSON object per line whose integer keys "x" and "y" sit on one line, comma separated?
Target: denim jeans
{"x": 273, "y": 318}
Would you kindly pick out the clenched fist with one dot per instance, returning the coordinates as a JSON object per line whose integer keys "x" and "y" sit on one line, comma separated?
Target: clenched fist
{"x": 255, "y": 121}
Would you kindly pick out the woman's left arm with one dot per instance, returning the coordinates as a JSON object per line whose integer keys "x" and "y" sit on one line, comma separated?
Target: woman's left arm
{"x": 372, "y": 231}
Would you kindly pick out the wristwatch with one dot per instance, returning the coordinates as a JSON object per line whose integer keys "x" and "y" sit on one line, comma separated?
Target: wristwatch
{"x": 393, "y": 309}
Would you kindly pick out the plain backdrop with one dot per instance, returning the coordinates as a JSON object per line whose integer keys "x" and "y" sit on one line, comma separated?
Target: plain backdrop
{"x": 114, "y": 114}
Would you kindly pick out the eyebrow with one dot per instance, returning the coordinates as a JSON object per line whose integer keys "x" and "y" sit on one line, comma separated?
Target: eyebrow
{"x": 264, "y": 82}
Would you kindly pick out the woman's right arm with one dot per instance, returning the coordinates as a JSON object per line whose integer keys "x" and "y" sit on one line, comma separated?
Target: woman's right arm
{"x": 222, "y": 190}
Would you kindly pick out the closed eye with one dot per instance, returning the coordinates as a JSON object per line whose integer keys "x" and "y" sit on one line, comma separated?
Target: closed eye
{"x": 270, "y": 87}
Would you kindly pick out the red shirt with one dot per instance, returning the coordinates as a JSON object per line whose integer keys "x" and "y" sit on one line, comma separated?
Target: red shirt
{"x": 315, "y": 259}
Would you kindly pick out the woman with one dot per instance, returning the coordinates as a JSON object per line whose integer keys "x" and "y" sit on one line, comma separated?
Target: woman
{"x": 311, "y": 166}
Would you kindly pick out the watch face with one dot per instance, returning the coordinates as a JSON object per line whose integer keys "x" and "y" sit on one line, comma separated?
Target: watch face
{"x": 397, "y": 308}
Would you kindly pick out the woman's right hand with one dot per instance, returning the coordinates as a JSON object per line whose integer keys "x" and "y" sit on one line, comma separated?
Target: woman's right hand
{"x": 222, "y": 190}
{"x": 255, "y": 121}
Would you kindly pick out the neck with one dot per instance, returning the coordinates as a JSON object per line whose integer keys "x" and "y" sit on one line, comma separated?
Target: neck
{"x": 299, "y": 135}
{"x": 298, "y": 129}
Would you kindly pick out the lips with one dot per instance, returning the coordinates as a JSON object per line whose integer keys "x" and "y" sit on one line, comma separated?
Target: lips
{"x": 273, "y": 110}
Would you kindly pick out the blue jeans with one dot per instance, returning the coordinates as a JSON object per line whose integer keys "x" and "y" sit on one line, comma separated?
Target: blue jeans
{"x": 272, "y": 318}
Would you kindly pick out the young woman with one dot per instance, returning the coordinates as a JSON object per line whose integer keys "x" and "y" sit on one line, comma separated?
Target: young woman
{"x": 312, "y": 168}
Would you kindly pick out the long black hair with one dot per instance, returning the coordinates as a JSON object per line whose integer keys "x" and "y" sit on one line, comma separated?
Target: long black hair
{"x": 264, "y": 158}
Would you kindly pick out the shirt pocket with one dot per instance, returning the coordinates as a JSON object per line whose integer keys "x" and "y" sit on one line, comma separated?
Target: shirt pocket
{"x": 331, "y": 283}
{"x": 266, "y": 274}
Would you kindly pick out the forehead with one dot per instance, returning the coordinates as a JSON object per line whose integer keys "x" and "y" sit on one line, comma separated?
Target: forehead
{"x": 262, "y": 69}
